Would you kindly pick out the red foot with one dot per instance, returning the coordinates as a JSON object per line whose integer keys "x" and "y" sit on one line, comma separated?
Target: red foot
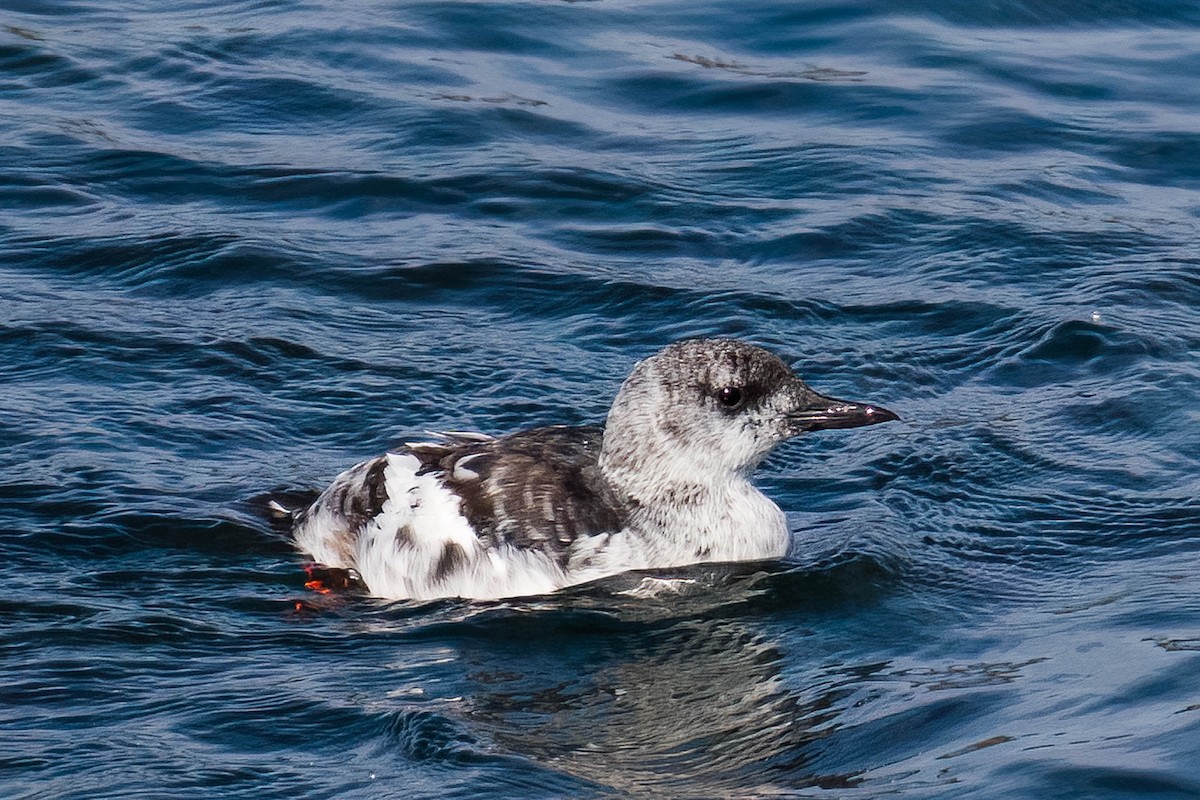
{"x": 325, "y": 579}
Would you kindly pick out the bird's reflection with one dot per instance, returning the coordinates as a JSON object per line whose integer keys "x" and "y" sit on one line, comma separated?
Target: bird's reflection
{"x": 678, "y": 693}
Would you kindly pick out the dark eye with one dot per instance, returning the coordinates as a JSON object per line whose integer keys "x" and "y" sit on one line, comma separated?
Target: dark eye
{"x": 730, "y": 396}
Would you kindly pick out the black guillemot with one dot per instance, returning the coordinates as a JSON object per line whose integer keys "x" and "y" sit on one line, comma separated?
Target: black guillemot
{"x": 665, "y": 482}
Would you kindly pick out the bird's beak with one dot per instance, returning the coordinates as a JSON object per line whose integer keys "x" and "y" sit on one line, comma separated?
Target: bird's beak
{"x": 818, "y": 412}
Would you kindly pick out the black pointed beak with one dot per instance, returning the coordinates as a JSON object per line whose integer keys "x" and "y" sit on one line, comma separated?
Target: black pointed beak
{"x": 822, "y": 413}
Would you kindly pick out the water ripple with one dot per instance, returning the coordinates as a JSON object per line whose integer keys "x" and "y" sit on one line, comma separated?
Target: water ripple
{"x": 247, "y": 245}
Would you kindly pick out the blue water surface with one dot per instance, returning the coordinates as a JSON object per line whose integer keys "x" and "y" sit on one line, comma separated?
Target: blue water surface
{"x": 245, "y": 244}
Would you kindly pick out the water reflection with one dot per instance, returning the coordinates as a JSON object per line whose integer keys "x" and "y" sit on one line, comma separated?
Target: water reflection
{"x": 720, "y": 681}
{"x": 674, "y": 695}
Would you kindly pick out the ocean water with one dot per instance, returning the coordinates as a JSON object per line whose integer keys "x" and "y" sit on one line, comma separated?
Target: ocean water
{"x": 245, "y": 244}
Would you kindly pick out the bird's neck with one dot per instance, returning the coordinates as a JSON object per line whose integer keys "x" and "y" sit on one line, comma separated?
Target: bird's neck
{"x": 684, "y": 514}
{"x": 652, "y": 470}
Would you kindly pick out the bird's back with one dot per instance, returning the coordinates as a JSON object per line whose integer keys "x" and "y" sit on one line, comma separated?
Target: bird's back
{"x": 469, "y": 516}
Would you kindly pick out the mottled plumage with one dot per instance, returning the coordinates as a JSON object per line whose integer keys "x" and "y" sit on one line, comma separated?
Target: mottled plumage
{"x": 664, "y": 483}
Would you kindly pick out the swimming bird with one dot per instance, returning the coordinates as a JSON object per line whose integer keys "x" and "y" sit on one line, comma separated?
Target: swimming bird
{"x": 665, "y": 482}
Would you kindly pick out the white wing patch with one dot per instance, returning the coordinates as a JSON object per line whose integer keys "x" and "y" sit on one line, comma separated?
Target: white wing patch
{"x": 420, "y": 546}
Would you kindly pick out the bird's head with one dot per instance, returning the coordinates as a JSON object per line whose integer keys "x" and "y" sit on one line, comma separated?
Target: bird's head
{"x": 717, "y": 406}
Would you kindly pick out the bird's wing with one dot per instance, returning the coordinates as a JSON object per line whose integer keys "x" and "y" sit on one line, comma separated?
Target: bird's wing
{"x": 539, "y": 489}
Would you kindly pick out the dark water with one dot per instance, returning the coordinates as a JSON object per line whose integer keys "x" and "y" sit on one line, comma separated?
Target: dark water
{"x": 244, "y": 244}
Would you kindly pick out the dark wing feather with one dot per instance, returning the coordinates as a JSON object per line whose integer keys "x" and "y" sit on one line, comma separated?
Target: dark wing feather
{"x": 540, "y": 488}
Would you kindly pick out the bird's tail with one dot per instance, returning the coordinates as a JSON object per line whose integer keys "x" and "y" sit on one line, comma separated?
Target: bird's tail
{"x": 280, "y": 511}
{"x": 285, "y": 508}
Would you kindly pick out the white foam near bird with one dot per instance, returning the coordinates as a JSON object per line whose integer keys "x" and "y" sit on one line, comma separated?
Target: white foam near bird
{"x": 665, "y": 482}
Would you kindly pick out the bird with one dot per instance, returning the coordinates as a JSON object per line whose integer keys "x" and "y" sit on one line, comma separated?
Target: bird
{"x": 665, "y": 482}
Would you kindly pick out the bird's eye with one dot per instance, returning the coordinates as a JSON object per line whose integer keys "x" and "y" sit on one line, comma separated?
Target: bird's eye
{"x": 730, "y": 396}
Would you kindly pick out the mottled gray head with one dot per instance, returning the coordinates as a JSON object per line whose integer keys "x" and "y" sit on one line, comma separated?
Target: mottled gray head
{"x": 714, "y": 406}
